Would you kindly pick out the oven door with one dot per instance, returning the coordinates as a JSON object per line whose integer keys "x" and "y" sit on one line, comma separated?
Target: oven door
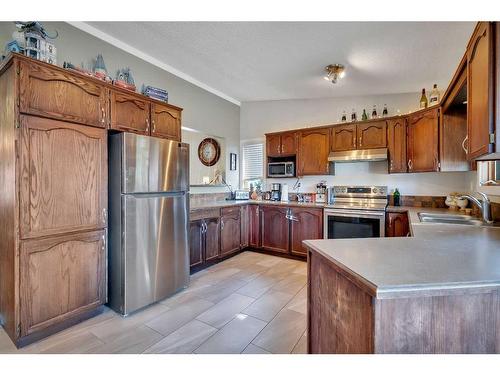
{"x": 340, "y": 223}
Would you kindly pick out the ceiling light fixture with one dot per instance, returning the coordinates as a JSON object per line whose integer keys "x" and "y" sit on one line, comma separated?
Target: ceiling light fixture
{"x": 334, "y": 72}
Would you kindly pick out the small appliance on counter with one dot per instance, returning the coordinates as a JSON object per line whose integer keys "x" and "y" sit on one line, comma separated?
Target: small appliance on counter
{"x": 241, "y": 195}
{"x": 281, "y": 169}
{"x": 275, "y": 192}
{"x": 321, "y": 192}
{"x": 284, "y": 193}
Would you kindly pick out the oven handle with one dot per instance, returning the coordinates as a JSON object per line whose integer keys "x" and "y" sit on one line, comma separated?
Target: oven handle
{"x": 355, "y": 213}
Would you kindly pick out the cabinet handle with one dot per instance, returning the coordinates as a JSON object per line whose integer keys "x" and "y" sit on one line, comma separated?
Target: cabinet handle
{"x": 103, "y": 117}
{"x": 360, "y": 141}
{"x": 205, "y": 227}
{"x": 154, "y": 125}
{"x": 147, "y": 125}
{"x": 463, "y": 144}
{"x": 103, "y": 242}
{"x": 278, "y": 149}
{"x": 221, "y": 224}
{"x": 104, "y": 215}
{"x": 410, "y": 164}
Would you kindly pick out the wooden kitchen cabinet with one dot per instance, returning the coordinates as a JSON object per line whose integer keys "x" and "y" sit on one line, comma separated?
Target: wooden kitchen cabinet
{"x": 230, "y": 231}
{"x": 396, "y": 144}
{"x": 372, "y": 135}
{"x": 130, "y": 112}
{"x": 274, "y": 228}
{"x": 422, "y": 141}
{"x": 254, "y": 237}
{"x": 212, "y": 238}
{"x": 196, "y": 242}
{"x": 63, "y": 175}
{"x": 166, "y": 121}
{"x": 480, "y": 91}
{"x": 343, "y": 137}
{"x": 397, "y": 225}
{"x": 245, "y": 226}
{"x": 306, "y": 224}
{"x": 61, "y": 277}
{"x": 281, "y": 144}
{"x": 313, "y": 152}
{"x": 204, "y": 239}
{"x": 52, "y": 92}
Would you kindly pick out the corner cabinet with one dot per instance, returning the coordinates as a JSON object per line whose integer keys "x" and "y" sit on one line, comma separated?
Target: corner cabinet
{"x": 480, "y": 91}
{"x": 423, "y": 141}
{"x": 313, "y": 152}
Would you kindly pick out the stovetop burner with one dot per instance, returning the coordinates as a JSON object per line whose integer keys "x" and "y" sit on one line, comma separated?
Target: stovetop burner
{"x": 358, "y": 198}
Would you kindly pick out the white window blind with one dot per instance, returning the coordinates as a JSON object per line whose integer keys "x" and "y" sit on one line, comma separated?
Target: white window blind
{"x": 253, "y": 161}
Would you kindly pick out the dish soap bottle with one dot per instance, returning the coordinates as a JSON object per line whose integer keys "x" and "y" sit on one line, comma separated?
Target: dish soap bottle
{"x": 396, "y": 196}
{"x": 434, "y": 97}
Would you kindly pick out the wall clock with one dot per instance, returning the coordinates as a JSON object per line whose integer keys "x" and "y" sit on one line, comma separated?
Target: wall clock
{"x": 209, "y": 151}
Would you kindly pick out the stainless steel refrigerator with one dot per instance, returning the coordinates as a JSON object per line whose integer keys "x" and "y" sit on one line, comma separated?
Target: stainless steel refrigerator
{"x": 148, "y": 223}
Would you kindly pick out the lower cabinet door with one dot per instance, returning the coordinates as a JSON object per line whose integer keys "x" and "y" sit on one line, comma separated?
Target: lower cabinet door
{"x": 254, "y": 226}
{"x": 230, "y": 229}
{"x": 212, "y": 238}
{"x": 397, "y": 224}
{"x": 196, "y": 243}
{"x": 307, "y": 224}
{"x": 60, "y": 278}
{"x": 274, "y": 229}
{"x": 245, "y": 226}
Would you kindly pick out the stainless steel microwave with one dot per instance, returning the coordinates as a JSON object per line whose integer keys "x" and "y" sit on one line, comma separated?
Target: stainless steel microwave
{"x": 281, "y": 169}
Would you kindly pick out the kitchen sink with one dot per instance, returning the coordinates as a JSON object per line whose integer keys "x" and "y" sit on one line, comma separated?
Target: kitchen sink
{"x": 426, "y": 217}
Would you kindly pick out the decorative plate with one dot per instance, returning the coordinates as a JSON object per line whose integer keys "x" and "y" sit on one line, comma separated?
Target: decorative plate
{"x": 209, "y": 151}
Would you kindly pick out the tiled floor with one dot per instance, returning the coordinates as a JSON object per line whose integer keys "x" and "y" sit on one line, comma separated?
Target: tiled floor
{"x": 251, "y": 303}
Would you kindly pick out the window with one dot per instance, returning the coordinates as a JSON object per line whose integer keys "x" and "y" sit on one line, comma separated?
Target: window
{"x": 253, "y": 164}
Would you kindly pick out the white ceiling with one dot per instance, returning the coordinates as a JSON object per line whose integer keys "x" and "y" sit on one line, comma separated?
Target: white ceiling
{"x": 249, "y": 61}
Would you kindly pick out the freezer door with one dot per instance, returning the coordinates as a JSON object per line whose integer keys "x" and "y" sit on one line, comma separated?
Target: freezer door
{"x": 154, "y": 164}
{"x": 155, "y": 245}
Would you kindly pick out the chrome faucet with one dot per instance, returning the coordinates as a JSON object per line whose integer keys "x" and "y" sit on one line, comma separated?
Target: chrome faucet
{"x": 484, "y": 206}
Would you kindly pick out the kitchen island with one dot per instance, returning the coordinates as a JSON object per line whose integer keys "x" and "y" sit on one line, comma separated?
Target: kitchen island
{"x": 435, "y": 292}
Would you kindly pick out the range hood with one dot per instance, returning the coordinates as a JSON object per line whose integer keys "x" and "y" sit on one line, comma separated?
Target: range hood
{"x": 375, "y": 154}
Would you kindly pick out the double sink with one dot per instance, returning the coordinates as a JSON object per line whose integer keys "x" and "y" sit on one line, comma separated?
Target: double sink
{"x": 426, "y": 217}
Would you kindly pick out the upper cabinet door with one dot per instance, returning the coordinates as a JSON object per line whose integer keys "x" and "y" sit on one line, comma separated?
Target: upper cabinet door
{"x": 396, "y": 142}
{"x": 273, "y": 145}
{"x": 313, "y": 151}
{"x": 372, "y": 135}
{"x": 344, "y": 137}
{"x": 129, "y": 112}
{"x": 165, "y": 121}
{"x": 423, "y": 142}
{"x": 50, "y": 92}
{"x": 480, "y": 74}
{"x": 63, "y": 185}
{"x": 288, "y": 144}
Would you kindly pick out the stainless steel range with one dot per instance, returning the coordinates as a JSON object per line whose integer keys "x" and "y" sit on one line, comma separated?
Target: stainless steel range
{"x": 355, "y": 212}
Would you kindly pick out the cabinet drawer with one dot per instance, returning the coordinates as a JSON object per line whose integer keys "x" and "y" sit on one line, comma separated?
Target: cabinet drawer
{"x": 230, "y": 211}
{"x": 165, "y": 121}
{"x": 204, "y": 214}
{"x": 129, "y": 112}
{"x": 49, "y": 92}
{"x": 61, "y": 278}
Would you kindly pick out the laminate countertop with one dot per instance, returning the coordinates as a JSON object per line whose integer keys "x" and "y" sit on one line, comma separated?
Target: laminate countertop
{"x": 232, "y": 203}
{"x": 439, "y": 259}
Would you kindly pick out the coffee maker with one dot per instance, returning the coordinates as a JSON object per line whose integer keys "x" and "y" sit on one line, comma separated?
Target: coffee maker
{"x": 276, "y": 192}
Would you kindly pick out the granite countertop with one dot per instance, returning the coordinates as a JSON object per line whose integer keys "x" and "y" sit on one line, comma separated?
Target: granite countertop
{"x": 439, "y": 258}
{"x": 222, "y": 204}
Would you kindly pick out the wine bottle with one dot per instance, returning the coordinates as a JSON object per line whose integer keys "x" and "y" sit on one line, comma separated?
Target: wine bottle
{"x": 353, "y": 115}
{"x": 397, "y": 197}
{"x": 374, "y": 112}
{"x": 434, "y": 97}
{"x": 423, "y": 100}
{"x": 344, "y": 116}
{"x": 364, "y": 116}
{"x": 384, "y": 112}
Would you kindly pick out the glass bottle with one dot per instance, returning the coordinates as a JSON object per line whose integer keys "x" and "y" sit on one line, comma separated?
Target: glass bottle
{"x": 423, "y": 100}
{"x": 434, "y": 97}
{"x": 353, "y": 115}
{"x": 397, "y": 197}
{"x": 374, "y": 112}
{"x": 344, "y": 116}
{"x": 364, "y": 116}
{"x": 384, "y": 112}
